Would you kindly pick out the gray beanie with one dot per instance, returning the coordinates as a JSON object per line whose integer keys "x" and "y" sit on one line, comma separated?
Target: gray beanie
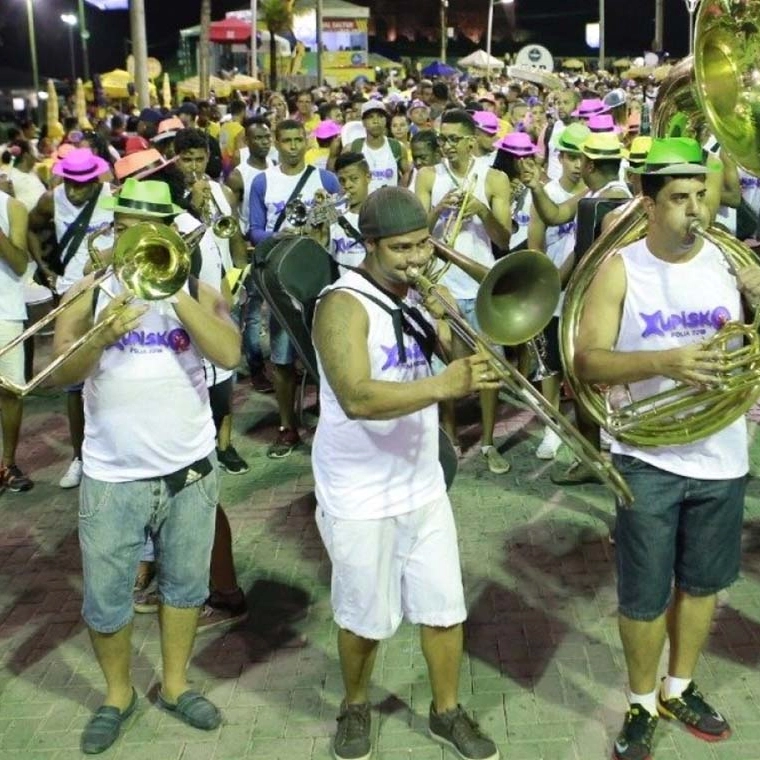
{"x": 391, "y": 211}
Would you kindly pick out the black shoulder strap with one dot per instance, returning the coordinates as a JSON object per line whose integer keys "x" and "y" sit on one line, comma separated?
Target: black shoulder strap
{"x": 349, "y": 228}
{"x": 406, "y": 319}
{"x": 192, "y": 286}
{"x": 75, "y": 232}
{"x": 296, "y": 190}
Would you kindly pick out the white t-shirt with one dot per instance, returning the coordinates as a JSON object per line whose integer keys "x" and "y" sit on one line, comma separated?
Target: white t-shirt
{"x": 672, "y": 305}
{"x": 382, "y": 165}
{"x": 346, "y": 248}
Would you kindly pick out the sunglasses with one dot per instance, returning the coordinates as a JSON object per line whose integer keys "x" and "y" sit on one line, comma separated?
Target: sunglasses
{"x": 451, "y": 139}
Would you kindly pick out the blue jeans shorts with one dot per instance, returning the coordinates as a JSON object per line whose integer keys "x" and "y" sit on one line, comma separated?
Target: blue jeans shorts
{"x": 281, "y": 349}
{"x": 680, "y": 531}
{"x": 114, "y": 521}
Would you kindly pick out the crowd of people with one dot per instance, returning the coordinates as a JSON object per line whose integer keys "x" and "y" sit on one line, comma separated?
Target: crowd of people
{"x": 487, "y": 168}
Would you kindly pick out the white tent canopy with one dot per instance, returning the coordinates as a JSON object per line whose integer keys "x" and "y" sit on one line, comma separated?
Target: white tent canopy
{"x": 480, "y": 60}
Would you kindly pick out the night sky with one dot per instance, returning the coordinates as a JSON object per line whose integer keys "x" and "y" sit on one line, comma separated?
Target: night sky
{"x": 630, "y": 26}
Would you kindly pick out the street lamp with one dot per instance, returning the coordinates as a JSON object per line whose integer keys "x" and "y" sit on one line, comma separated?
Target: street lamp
{"x": 489, "y": 30}
{"x": 71, "y": 21}
{"x": 691, "y": 6}
{"x": 33, "y": 47}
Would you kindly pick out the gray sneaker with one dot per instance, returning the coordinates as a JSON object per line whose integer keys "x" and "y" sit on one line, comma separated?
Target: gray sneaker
{"x": 352, "y": 737}
{"x": 458, "y": 731}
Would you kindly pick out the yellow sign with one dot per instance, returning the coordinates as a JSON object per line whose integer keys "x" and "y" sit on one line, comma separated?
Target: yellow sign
{"x": 344, "y": 58}
{"x": 345, "y": 25}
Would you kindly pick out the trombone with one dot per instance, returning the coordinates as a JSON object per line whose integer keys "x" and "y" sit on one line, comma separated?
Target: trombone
{"x": 151, "y": 260}
{"x": 515, "y": 301}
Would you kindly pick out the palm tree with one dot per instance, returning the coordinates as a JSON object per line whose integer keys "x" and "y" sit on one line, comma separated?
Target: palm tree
{"x": 203, "y": 52}
{"x": 278, "y": 17}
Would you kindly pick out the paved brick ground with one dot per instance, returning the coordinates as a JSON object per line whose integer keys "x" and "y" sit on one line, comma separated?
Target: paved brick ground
{"x": 543, "y": 668}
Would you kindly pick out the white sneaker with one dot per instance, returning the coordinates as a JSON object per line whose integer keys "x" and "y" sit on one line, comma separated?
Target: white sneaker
{"x": 73, "y": 475}
{"x": 549, "y": 445}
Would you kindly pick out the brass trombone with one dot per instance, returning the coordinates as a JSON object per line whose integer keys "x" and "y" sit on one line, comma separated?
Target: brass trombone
{"x": 515, "y": 301}
{"x": 151, "y": 260}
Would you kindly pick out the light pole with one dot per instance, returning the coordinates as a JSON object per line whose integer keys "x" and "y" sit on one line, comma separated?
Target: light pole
{"x": 85, "y": 35}
{"x": 691, "y": 6}
{"x": 489, "y": 31}
{"x": 444, "y": 7}
{"x": 33, "y": 47}
{"x": 71, "y": 21}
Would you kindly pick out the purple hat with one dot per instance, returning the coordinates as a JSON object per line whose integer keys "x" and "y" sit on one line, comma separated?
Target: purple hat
{"x": 602, "y": 122}
{"x": 486, "y": 121}
{"x": 517, "y": 143}
{"x": 589, "y": 108}
{"x": 80, "y": 165}
{"x": 326, "y": 129}
{"x": 418, "y": 104}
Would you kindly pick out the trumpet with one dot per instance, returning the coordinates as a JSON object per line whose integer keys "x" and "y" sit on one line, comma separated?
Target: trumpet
{"x": 222, "y": 225}
{"x": 324, "y": 210}
{"x": 454, "y": 222}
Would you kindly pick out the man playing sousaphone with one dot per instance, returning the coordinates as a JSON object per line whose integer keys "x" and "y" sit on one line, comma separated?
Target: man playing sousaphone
{"x": 468, "y": 206}
{"x": 149, "y": 459}
{"x": 684, "y": 527}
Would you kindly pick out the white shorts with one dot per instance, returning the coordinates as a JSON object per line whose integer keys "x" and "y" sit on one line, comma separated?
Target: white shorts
{"x": 12, "y": 363}
{"x": 387, "y": 569}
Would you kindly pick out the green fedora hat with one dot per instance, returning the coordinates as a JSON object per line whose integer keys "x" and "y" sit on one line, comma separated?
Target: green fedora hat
{"x": 674, "y": 156}
{"x": 150, "y": 198}
{"x": 572, "y": 137}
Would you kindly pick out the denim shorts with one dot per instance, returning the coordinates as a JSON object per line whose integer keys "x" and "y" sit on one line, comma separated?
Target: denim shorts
{"x": 114, "y": 521}
{"x": 678, "y": 530}
{"x": 281, "y": 349}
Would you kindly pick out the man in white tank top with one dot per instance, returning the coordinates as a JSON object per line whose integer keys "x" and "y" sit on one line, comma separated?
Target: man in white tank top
{"x": 485, "y": 220}
{"x": 556, "y": 242}
{"x": 13, "y": 263}
{"x": 149, "y": 464}
{"x": 647, "y": 317}
{"x": 67, "y": 206}
{"x": 600, "y": 167}
{"x": 382, "y": 510}
{"x": 258, "y": 138}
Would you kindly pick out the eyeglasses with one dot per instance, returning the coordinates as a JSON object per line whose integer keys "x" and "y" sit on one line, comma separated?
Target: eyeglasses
{"x": 426, "y": 246}
{"x": 451, "y": 139}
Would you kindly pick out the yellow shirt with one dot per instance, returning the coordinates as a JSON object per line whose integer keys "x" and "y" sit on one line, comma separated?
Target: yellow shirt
{"x": 213, "y": 129}
{"x": 228, "y": 135}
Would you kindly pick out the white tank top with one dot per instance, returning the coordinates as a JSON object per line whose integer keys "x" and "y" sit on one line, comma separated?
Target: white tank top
{"x": 473, "y": 239}
{"x": 368, "y": 469}
{"x": 65, "y": 213}
{"x": 12, "y": 305}
{"x": 553, "y": 166}
{"x": 559, "y": 239}
{"x": 521, "y": 203}
{"x": 147, "y": 411}
{"x": 247, "y": 173}
{"x": 672, "y": 305}
{"x": 382, "y": 165}
{"x": 212, "y": 271}
{"x": 344, "y": 248}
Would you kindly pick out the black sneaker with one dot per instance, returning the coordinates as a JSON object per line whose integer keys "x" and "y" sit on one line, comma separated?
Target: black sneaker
{"x": 458, "y": 731}
{"x": 15, "y": 480}
{"x": 634, "y": 741}
{"x": 230, "y": 461}
{"x": 352, "y": 737}
{"x": 695, "y": 714}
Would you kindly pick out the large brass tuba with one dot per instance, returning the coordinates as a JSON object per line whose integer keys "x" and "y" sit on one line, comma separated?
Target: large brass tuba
{"x": 515, "y": 301}
{"x": 151, "y": 260}
{"x": 722, "y": 86}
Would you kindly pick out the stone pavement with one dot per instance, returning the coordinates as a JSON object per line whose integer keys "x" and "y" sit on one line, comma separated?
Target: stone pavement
{"x": 543, "y": 667}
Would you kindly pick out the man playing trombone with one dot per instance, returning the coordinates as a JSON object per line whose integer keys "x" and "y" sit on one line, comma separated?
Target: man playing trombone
{"x": 647, "y": 317}
{"x": 468, "y": 206}
{"x": 148, "y": 456}
{"x": 382, "y": 510}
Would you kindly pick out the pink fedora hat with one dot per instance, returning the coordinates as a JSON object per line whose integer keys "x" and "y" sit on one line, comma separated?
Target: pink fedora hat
{"x": 517, "y": 143}
{"x": 80, "y": 165}
{"x": 326, "y": 129}
{"x": 602, "y": 122}
{"x": 589, "y": 107}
